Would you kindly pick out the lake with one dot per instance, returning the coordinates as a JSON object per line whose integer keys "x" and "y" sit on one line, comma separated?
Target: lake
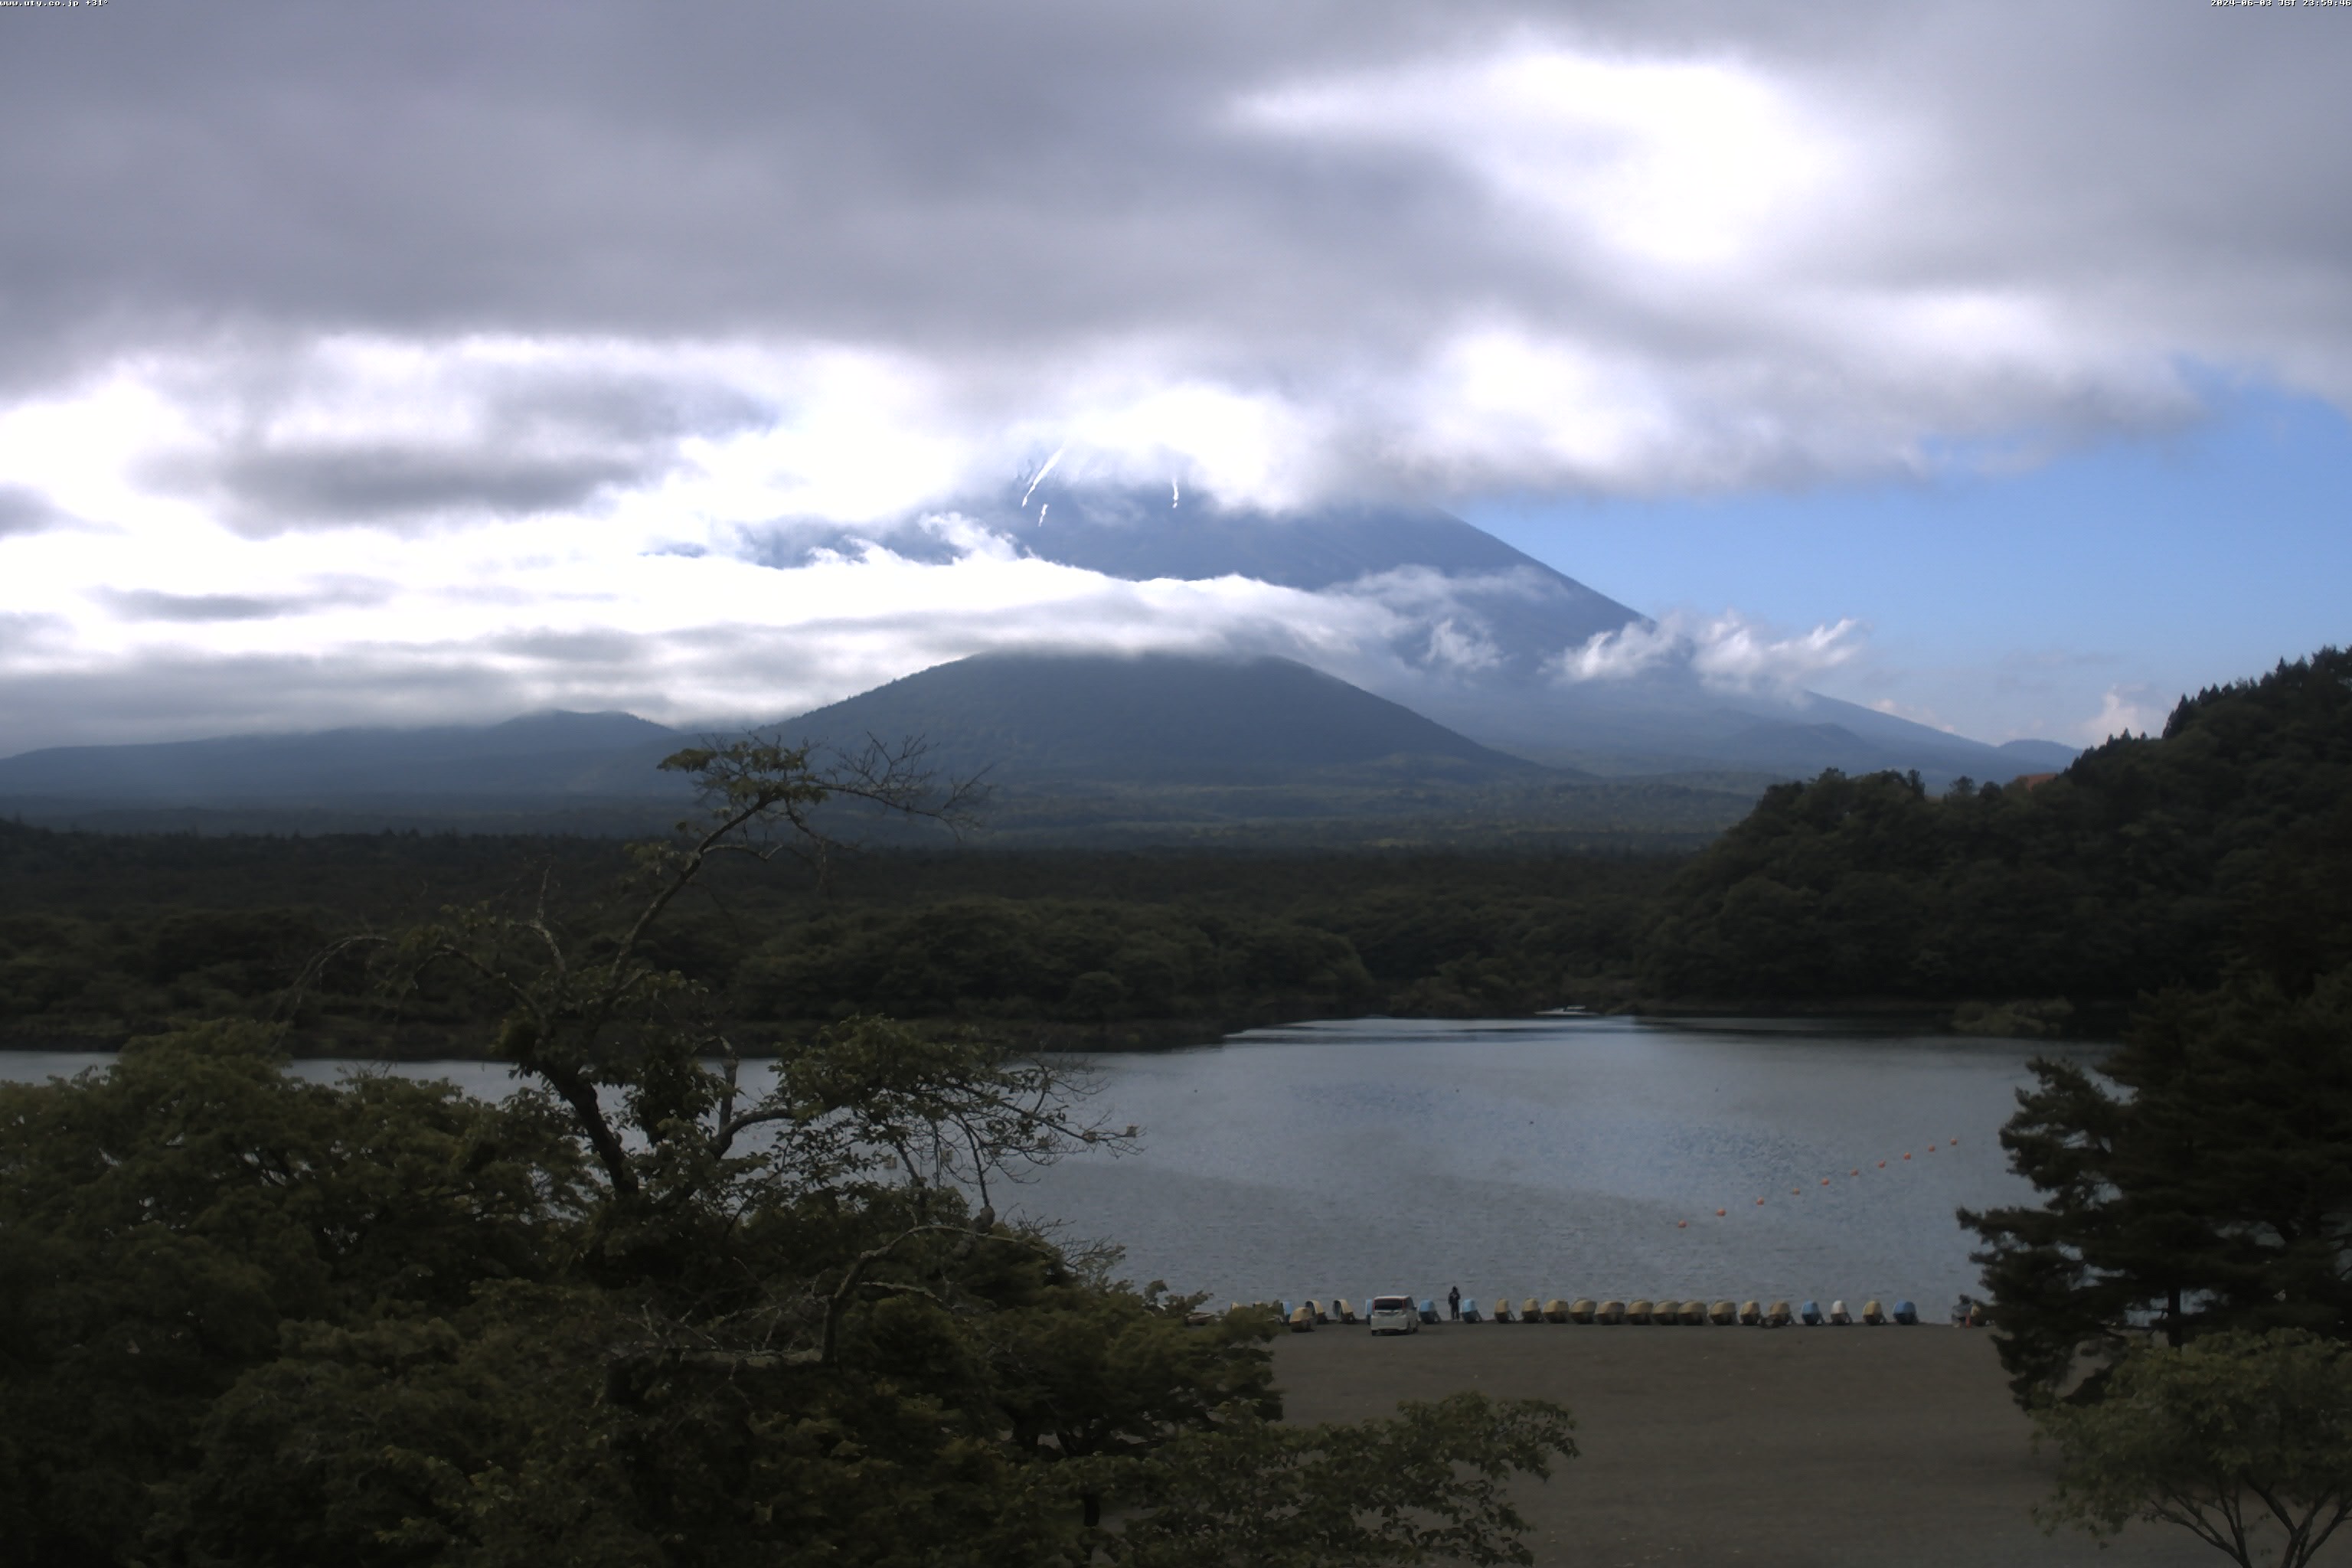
{"x": 1526, "y": 1157}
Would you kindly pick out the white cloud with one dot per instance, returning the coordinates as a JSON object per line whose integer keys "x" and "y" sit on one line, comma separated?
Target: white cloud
{"x": 1461, "y": 649}
{"x": 1626, "y": 652}
{"x": 1686, "y": 164}
{"x": 1928, "y": 716}
{"x": 498, "y": 424}
{"x": 2133, "y": 708}
{"x": 1730, "y": 651}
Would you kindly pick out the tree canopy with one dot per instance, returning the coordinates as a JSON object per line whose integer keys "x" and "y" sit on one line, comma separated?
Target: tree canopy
{"x": 2235, "y": 1439}
{"x": 2135, "y": 869}
{"x": 663, "y": 1304}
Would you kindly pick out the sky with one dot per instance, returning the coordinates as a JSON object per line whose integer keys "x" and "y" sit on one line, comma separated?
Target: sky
{"x": 436, "y": 362}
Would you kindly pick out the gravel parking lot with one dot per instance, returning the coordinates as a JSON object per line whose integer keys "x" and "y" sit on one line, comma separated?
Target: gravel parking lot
{"x": 1794, "y": 1446}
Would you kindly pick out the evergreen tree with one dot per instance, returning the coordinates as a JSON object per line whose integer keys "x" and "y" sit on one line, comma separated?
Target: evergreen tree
{"x": 2206, "y": 1184}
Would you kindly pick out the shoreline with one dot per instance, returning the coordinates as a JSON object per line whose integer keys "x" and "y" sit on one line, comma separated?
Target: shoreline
{"x": 1045, "y": 1036}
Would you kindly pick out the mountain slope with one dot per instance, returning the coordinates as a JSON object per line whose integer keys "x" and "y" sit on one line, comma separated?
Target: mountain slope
{"x": 1157, "y": 717}
{"x": 1481, "y": 630}
{"x": 540, "y": 754}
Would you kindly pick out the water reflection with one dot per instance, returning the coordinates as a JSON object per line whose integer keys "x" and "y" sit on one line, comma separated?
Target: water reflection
{"x": 1552, "y": 1157}
{"x": 1543, "y": 1156}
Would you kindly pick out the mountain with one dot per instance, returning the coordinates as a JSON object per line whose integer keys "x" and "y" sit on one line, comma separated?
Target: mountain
{"x": 2042, "y": 756}
{"x": 541, "y": 755}
{"x": 1481, "y": 630}
{"x": 1091, "y": 748}
{"x": 1462, "y": 691}
{"x": 1047, "y": 719}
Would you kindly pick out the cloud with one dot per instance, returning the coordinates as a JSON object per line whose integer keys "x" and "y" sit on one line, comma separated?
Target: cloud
{"x": 532, "y": 615}
{"x": 1276, "y": 252}
{"x": 2127, "y": 710}
{"x": 154, "y": 604}
{"x": 151, "y": 604}
{"x": 345, "y": 430}
{"x": 25, "y": 511}
{"x": 1457, "y": 649}
{"x": 1928, "y": 716}
{"x": 1731, "y": 652}
{"x": 558, "y": 322}
{"x": 1685, "y": 164}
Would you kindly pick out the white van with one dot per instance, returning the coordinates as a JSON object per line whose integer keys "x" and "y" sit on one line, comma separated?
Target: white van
{"x": 1395, "y": 1315}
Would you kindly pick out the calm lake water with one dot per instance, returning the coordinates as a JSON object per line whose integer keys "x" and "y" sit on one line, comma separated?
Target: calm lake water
{"x": 1526, "y": 1157}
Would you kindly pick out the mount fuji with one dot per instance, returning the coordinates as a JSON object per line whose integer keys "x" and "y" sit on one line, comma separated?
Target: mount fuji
{"x": 1482, "y": 635}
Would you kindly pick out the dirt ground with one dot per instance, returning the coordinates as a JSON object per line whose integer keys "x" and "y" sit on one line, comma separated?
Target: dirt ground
{"x": 1783, "y": 1448}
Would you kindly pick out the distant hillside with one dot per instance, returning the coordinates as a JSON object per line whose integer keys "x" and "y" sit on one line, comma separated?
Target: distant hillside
{"x": 542, "y": 755}
{"x": 1092, "y": 749}
{"x": 1048, "y": 719}
{"x": 2045, "y": 756}
{"x": 2146, "y": 863}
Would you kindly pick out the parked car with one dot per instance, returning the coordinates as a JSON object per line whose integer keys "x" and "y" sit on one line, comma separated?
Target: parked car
{"x": 1395, "y": 1315}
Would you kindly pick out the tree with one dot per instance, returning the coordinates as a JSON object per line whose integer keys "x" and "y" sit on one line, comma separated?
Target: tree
{"x": 163, "y": 1225}
{"x": 656, "y": 1308}
{"x": 1255, "y": 1495}
{"x": 2231, "y": 1438}
{"x": 2212, "y": 1193}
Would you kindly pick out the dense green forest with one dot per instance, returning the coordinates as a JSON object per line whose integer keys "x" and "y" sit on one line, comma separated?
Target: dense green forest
{"x": 2151, "y": 862}
{"x": 106, "y": 936}
{"x": 659, "y": 1306}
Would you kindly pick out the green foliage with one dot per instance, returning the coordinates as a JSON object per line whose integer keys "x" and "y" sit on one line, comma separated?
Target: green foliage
{"x": 1256, "y": 1495}
{"x": 2139, "y": 867}
{"x": 162, "y": 1224}
{"x": 975, "y": 958}
{"x": 2233, "y": 1437}
{"x": 2215, "y": 1191}
{"x": 95, "y": 951}
{"x": 652, "y": 1310}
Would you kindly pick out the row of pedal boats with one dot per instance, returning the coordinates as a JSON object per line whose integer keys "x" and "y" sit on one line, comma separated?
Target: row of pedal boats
{"x": 1304, "y": 1316}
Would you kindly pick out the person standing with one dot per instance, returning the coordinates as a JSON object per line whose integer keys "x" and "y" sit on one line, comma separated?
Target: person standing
{"x": 1453, "y": 1304}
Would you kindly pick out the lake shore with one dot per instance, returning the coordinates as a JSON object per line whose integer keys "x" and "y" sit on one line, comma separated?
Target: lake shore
{"x": 1795, "y": 1448}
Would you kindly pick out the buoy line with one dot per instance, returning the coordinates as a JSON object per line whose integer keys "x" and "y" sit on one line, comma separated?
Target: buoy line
{"x": 1825, "y": 1180}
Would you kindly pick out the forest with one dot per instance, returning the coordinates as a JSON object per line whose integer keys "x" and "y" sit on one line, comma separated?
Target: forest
{"x": 105, "y": 937}
{"x": 724, "y": 1278}
{"x": 2151, "y": 862}
{"x": 649, "y": 1308}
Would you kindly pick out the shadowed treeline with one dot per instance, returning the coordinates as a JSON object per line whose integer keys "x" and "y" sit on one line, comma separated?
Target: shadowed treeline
{"x": 2149, "y": 863}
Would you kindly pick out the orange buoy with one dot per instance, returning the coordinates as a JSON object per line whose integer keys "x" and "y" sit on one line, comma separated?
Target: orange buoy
{"x": 1954, "y": 1140}
{"x": 1855, "y": 1172}
{"x": 1825, "y": 1180}
{"x": 1759, "y": 1203}
{"x": 1906, "y": 1156}
{"x": 1719, "y": 1213}
{"x": 1794, "y": 1191}
{"x": 1682, "y": 1224}
{"x": 1882, "y": 1164}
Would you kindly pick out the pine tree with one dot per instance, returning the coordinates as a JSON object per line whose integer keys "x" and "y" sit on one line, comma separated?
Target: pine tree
{"x": 2214, "y": 1191}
